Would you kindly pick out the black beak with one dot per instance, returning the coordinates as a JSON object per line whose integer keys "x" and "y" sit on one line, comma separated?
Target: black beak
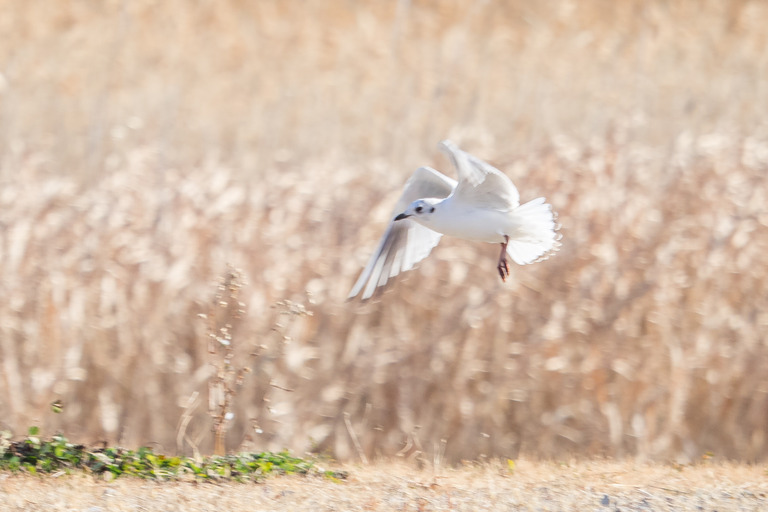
{"x": 402, "y": 216}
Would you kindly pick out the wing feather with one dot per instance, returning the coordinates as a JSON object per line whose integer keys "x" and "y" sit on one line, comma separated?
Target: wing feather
{"x": 405, "y": 242}
{"x": 480, "y": 184}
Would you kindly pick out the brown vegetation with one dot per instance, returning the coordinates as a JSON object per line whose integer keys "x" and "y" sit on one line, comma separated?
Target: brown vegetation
{"x": 146, "y": 145}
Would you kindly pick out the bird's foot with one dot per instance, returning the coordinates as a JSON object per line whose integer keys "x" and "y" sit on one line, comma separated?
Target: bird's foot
{"x": 503, "y": 266}
{"x": 503, "y": 269}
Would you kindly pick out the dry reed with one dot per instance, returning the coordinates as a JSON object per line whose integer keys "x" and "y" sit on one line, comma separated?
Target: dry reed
{"x": 147, "y": 145}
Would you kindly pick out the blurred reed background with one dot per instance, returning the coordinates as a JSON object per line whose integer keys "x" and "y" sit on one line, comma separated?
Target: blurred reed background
{"x": 145, "y": 145}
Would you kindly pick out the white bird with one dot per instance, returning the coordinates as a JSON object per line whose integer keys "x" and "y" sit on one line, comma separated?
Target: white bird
{"x": 483, "y": 205}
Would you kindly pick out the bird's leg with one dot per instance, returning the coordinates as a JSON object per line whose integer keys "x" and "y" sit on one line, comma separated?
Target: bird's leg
{"x": 503, "y": 267}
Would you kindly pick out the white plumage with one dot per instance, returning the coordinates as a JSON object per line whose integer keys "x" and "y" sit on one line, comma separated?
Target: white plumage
{"x": 483, "y": 205}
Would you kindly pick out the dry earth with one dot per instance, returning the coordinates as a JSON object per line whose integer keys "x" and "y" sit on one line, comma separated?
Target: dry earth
{"x": 545, "y": 486}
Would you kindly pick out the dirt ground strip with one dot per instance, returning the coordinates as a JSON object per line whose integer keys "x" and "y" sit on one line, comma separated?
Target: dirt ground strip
{"x": 599, "y": 486}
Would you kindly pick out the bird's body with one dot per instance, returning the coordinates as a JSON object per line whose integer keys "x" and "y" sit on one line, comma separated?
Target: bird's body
{"x": 454, "y": 218}
{"x": 462, "y": 221}
{"x": 482, "y": 206}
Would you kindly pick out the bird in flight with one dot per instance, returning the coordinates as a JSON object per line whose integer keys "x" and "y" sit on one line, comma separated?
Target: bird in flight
{"x": 483, "y": 205}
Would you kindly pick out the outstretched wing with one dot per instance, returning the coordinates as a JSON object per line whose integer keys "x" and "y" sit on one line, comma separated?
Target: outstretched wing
{"x": 480, "y": 184}
{"x": 405, "y": 242}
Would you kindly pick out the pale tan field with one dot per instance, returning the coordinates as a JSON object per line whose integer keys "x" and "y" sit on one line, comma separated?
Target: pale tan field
{"x": 145, "y": 145}
{"x": 533, "y": 486}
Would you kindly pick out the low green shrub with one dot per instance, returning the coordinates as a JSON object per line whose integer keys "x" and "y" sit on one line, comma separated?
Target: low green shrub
{"x": 35, "y": 455}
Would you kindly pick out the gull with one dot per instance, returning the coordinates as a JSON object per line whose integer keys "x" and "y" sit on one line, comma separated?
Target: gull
{"x": 483, "y": 206}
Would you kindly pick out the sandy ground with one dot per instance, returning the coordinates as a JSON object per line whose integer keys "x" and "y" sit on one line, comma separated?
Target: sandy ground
{"x": 599, "y": 486}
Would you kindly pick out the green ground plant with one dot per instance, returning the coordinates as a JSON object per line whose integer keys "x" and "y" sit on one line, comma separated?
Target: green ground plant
{"x": 34, "y": 455}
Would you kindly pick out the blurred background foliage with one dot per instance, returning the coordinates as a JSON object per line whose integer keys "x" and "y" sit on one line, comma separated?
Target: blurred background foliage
{"x": 145, "y": 145}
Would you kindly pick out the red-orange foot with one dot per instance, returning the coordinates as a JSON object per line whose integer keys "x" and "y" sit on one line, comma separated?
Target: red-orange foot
{"x": 503, "y": 267}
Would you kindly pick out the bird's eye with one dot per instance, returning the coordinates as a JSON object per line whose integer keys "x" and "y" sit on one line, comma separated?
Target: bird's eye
{"x": 418, "y": 209}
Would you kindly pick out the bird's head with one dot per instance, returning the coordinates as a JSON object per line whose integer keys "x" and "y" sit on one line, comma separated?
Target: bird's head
{"x": 420, "y": 209}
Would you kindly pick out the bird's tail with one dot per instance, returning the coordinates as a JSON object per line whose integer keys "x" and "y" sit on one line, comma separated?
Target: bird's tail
{"x": 536, "y": 235}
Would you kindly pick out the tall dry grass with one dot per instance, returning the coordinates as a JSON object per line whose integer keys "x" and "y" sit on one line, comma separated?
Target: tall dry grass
{"x": 146, "y": 145}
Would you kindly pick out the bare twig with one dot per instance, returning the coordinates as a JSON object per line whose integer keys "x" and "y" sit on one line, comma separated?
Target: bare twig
{"x": 355, "y": 441}
{"x": 186, "y": 417}
{"x": 225, "y": 311}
